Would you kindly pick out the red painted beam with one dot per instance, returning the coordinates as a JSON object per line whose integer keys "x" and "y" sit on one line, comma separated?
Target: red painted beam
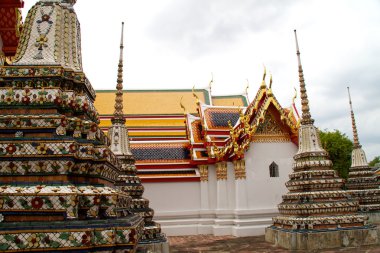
{"x": 11, "y": 4}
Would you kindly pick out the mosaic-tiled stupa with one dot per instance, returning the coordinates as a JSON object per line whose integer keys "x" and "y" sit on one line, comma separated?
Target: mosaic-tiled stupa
{"x": 152, "y": 239}
{"x": 362, "y": 183}
{"x": 316, "y": 212}
{"x": 57, "y": 172}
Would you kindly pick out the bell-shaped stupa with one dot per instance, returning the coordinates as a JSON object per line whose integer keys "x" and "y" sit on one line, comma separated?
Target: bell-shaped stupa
{"x": 315, "y": 207}
{"x": 362, "y": 183}
{"x": 57, "y": 171}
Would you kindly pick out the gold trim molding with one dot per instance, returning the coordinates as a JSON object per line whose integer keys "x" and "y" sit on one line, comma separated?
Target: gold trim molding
{"x": 203, "y": 171}
{"x": 239, "y": 169}
{"x": 221, "y": 171}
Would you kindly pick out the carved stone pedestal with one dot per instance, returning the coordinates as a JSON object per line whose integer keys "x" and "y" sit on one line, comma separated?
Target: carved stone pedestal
{"x": 322, "y": 239}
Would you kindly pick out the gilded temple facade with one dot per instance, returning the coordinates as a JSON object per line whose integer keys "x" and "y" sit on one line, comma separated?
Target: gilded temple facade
{"x": 221, "y": 153}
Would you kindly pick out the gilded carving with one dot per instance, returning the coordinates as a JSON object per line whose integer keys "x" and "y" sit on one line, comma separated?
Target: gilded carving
{"x": 239, "y": 168}
{"x": 269, "y": 127}
{"x": 221, "y": 171}
{"x": 203, "y": 171}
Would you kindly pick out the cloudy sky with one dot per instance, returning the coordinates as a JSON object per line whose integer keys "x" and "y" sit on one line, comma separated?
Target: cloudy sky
{"x": 175, "y": 44}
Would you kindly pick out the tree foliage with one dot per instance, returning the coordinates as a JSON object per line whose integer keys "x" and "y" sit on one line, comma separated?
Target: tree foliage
{"x": 374, "y": 161}
{"x": 339, "y": 147}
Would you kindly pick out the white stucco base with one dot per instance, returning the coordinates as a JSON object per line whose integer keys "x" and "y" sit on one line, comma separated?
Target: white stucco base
{"x": 247, "y": 223}
{"x": 239, "y": 207}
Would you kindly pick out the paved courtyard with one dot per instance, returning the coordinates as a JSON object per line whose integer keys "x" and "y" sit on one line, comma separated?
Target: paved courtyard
{"x": 224, "y": 244}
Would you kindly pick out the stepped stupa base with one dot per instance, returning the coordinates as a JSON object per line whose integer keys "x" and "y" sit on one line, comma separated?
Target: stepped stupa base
{"x": 322, "y": 239}
{"x": 110, "y": 235}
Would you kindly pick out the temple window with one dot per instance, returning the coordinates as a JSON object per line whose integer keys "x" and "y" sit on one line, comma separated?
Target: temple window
{"x": 273, "y": 170}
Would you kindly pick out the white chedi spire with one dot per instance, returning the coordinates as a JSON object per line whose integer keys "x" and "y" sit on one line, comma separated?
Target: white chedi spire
{"x": 358, "y": 157}
{"x": 118, "y": 132}
{"x": 309, "y": 140}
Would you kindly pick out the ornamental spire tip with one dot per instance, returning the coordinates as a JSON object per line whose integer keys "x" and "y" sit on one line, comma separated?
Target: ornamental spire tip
{"x": 306, "y": 116}
{"x": 354, "y": 129}
{"x": 118, "y": 115}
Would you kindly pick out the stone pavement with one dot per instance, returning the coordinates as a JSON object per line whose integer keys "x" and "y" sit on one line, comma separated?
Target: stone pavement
{"x": 224, "y": 244}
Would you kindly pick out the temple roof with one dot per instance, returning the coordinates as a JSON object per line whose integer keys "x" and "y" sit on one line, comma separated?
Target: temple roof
{"x": 234, "y": 100}
{"x": 155, "y": 118}
{"x": 217, "y": 117}
{"x": 160, "y": 152}
{"x": 225, "y": 132}
{"x": 148, "y": 102}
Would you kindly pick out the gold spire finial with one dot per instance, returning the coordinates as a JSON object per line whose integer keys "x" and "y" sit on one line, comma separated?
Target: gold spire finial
{"x": 354, "y": 130}
{"x": 118, "y": 115}
{"x": 263, "y": 84}
{"x": 269, "y": 91}
{"x": 295, "y": 95}
{"x": 265, "y": 72}
{"x": 211, "y": 82}
{"x": 195, "y": 95}
{"x": 270, "y": 81}
{"x": 306, "y": 116}
{"x": 182, "y": 106}
{"x": 246, "y": 91}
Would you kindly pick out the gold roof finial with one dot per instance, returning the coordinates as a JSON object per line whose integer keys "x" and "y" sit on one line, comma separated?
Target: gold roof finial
{"x": 306, "y": 116}
{"x": 246, "y": 91}
{"x": 354, "y": 130}
{"x": 263, "y": 84}
{"x": 269, "y": 92}
{"x": 211, "y": 82}
{"x": 295, "y": 95}
{"x": 182, "y": 106}
{"x": 195, "y": 95}
{"x": 270, "y": 81}
{"x": 118, "y": 115}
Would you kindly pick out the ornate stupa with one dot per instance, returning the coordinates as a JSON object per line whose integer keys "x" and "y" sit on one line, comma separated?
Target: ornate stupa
{"x": 361, "y": 182}
{"x": 316, "y": 207}
{"x": 57, "y": 171}
{"x": 152, "y": 239}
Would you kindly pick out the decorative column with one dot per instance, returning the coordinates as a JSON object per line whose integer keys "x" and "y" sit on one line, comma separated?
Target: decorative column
{"x": 241, "y": 198}
{"x": 203, "y": 171}
{"x": 221, "y": 186}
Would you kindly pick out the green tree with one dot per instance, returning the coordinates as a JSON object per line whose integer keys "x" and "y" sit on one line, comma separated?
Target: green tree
{"x": 374, "y": 161}
{"x": 339, "y": 147}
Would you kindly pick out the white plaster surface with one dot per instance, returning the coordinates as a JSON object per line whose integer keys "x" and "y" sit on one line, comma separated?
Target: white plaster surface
{"x": 173, "y": 196}
{"x": 187, "y": 208}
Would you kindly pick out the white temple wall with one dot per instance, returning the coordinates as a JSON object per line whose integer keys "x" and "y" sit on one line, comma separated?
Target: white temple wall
{"x": 230, "y": 186}
{"x": 231, "y": 206}
{"x": 177, "y": 197}
{"x": 212, "y": 186}
{"x": 265, "y": 192}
